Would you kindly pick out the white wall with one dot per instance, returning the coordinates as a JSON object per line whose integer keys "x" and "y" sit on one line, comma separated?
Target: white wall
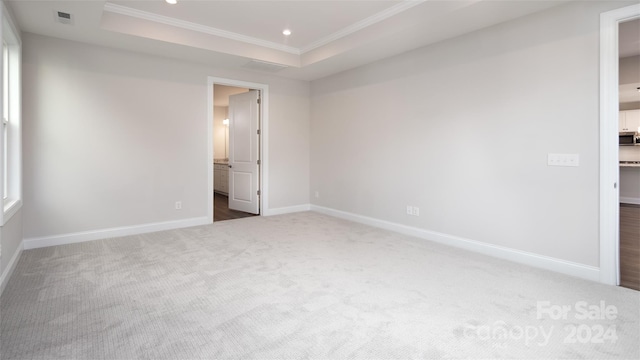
{"x": 220, "y": 139}
{"x": 113, "y": 138}
{"x": 629, "y": 73}
{"x": 629, "y": 69}
{"x": 462, "y": 129}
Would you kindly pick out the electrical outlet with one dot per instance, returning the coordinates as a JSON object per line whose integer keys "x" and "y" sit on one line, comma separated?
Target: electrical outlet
{"x": 413, "y": 210}
{"x": 178, "y": 205}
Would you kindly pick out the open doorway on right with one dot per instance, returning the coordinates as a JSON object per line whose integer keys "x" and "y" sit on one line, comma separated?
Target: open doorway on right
{"x": 629, "y": 153}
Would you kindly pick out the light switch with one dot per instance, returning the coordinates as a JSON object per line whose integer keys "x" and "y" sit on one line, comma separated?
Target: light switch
{"x": 563, "y": 159}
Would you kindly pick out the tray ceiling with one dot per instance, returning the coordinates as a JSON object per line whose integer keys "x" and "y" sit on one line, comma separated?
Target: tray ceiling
{"x": 327, "y": 36}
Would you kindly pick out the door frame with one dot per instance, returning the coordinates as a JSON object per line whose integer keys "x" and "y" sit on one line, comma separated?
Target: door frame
{"x": 609, "y": 160}
{"x": 264, "y": 139}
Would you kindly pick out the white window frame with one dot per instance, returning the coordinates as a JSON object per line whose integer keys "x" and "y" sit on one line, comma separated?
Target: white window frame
{"x": 11, "y": 140}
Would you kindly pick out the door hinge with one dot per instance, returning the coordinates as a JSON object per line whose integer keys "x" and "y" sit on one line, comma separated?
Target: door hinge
{"x": 258, "y": 192}
{"x": 258, "y": 101}
{"x": 258, "y": 162}
{"x": 258, "y": 131}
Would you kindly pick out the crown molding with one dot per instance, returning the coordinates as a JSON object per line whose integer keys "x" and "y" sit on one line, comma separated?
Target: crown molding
{"x": 362, "y": 24}
{"x": 124, "y": 10}
{"x": 371, "y": 20}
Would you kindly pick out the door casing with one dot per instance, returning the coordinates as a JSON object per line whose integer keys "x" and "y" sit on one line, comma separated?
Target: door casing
{"x": 264, "y": 139}
{"x": 609, "y": 161}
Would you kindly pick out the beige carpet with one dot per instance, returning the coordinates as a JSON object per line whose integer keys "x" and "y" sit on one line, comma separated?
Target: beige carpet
{"x": 302, "y": 286}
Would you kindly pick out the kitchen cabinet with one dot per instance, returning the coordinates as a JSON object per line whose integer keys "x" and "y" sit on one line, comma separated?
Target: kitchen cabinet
{"x": 630, "y": 184}
{"x": 629, "y": 120}
{"x": 221, "y": 178}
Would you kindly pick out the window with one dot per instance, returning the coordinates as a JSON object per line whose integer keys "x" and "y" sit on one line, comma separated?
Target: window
{"x": 10, "y": 141}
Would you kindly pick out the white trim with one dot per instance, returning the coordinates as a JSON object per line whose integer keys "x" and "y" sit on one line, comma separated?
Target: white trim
{"x": 522, "y": 257}
{"x": 139, "y": 14}
{"x": 287, "y": 210}
{"x": 264, "y": 137}
{"x": 13, "y": 201}
{"x": 11, "y": 266}
{"x": 16, "y": 30}
{"x": 629, "y": 200}
{"x": 11, "y": 208}
{"x": 609, "y": 166}
{"x": 371, "y": 20}
{"x": 45, "y": 241}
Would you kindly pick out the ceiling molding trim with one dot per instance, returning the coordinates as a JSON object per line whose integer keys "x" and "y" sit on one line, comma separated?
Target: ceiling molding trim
{"x": 371, "y": 20}
{"x": 123, "y": 10}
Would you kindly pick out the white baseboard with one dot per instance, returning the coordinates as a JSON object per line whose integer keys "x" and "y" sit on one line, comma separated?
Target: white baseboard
{"x": 523, "y": 257}
{"x": 6, "y": 274}
{"x": 45, "y": 241}
{"x": 629, "y": 200}
{"x": 287, "y": 210}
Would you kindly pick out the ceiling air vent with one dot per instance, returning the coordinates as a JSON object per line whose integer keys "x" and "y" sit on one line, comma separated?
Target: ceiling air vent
{"x": 264, "y": 66}
{"x": 63, "y": 17}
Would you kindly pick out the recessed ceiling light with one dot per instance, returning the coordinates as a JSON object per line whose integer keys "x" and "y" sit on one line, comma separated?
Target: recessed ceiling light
{"x": 286, "y": 32}
{"x": 172, "y": 2}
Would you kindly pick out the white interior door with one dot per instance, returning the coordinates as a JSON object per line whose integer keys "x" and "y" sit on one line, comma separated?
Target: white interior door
{"x": 244, "y": 152}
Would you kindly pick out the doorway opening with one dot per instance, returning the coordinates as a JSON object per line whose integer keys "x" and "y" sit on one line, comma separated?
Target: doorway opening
{"x": 629, "y": 155}
{"x": 609, "y": 148}
{"x": 237, "y": 156}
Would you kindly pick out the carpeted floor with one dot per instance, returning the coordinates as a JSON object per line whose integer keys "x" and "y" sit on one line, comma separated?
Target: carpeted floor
{"x": 302, "y": 286}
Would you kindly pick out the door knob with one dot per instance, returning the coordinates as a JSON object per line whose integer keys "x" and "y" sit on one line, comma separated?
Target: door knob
{"x": 230, "y": 166}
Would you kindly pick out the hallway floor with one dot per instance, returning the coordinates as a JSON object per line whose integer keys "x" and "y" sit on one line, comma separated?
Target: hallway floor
{"x": 630, "y": 246}
{"x": 221, "y": 209}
